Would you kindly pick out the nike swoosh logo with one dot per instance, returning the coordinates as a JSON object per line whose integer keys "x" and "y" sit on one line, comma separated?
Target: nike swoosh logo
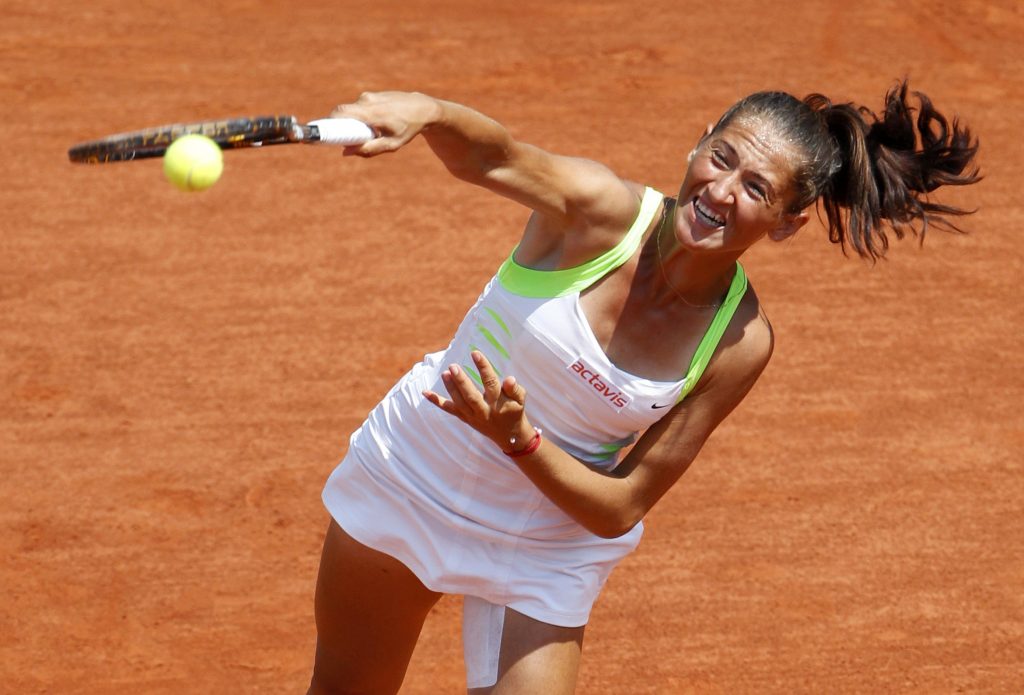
{"x": 661, "y": 406}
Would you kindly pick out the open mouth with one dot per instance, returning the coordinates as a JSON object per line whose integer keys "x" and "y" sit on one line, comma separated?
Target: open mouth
{"x": 707, "y": 216}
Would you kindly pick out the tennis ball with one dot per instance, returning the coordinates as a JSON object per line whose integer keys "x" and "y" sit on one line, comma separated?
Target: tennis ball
{"x": 193, "y": 162}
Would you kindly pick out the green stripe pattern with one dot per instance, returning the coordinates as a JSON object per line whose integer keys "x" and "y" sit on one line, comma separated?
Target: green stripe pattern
{"x": 717, "y": 329}
{"x": 498, "y": 320}
{"x": 537, "y": 284}
{"x": 500, "y": 326}
{"x": 474, "y": 375}
{"x": 541, "y": 284}
{"x": 493, "y": 341}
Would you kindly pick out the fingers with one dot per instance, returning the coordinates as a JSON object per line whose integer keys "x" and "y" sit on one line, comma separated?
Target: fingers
{"x": 495, "y": 412}
{"x": 372, "y": 148}
{"x": 358, "y": 109}
{"x": 444, "y": 404}
{"x": 463, "y": 393}
{"x": 397, "y": 117}
{"x": 489, "y": 377}
{"x": 513, "y": 390}
{"x": 512, "y": 401}
{"x": 372, "y": 110}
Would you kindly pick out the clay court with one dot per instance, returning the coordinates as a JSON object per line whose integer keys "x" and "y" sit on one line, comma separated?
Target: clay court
{"x": 179, "y": 373}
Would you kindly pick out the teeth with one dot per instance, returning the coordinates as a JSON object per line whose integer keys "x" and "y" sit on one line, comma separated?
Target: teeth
{"x": 709, "y": 217}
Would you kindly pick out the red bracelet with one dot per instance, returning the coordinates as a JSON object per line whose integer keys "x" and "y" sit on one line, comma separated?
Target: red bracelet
{"x": 529, "y": 449}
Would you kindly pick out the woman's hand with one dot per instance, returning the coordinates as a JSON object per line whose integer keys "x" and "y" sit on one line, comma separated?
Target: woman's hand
{"x": 498, "y": 413}
{"x": 397, "y": 117}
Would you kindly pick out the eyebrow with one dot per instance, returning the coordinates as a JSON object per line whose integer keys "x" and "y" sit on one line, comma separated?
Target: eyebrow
{"x": 767, "y": 184}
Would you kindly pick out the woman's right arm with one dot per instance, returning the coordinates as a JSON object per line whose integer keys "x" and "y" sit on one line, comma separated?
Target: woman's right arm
{"x": 568, "y": 193}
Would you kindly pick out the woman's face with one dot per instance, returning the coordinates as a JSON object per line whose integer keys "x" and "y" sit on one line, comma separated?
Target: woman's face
{"x": 737, "y": 189}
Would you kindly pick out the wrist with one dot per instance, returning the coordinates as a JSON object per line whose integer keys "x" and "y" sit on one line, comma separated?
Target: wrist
{"x": 518, "y": 436}
{"x": 523, "y": 445}
{"x": 433, "y": 111}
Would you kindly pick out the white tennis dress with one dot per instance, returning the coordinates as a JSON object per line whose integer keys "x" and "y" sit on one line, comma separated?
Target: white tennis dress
{"x": 424, "y": 487}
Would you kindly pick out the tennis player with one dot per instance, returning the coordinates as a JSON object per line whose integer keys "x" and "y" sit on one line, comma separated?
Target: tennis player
{"x": 493, "y": 468}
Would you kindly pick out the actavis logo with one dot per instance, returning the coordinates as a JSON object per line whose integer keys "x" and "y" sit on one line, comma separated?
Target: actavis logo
{"x": 609, "y": 392}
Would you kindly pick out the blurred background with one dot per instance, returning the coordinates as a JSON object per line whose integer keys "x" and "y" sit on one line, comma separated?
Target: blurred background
{"x": 180, "y": 372}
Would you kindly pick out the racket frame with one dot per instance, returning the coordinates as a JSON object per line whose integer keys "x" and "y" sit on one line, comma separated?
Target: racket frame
{"x": 233, "y": 133}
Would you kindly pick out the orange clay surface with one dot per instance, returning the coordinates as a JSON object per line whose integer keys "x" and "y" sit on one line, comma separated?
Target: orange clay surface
{"x": 180, "y": 372}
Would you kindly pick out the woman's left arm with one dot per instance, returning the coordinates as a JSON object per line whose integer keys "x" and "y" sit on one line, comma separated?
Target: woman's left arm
{"x": 610, "y": 503}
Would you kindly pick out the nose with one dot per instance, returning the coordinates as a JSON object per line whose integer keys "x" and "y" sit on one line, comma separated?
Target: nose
{"x": 720, "y": 190}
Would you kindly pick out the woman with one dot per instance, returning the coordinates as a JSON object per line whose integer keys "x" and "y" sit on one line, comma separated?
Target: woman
{"x": 621, "y": 318}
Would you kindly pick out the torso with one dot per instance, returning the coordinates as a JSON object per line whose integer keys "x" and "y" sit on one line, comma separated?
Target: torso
{"x": 655, "y": 338}
{"x": 649, "y": 339}
{"x": 642, "y": 332}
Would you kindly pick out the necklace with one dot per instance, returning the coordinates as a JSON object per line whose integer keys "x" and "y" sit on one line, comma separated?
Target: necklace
{"x": 661, "y": 265}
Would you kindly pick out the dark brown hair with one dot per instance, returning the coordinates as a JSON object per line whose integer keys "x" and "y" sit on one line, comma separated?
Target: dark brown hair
{"x": 869, "y": 172}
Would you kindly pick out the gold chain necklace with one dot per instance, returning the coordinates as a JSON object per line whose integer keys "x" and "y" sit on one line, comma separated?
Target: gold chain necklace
{"x": 661, "y": 265}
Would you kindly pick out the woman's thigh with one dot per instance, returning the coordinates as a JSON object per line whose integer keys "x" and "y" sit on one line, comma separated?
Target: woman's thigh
{"x": 369, "y": 612}
{"x": 536, "y": 657}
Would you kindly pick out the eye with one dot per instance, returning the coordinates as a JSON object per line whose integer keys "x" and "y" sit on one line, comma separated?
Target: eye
{"x": 718, "y": 157}
{"x": 758, "y": 191}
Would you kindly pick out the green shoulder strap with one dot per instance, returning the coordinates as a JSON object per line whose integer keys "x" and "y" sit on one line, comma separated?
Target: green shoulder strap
{"x": 528, "y": 282}
{"x": 715, "y": 332}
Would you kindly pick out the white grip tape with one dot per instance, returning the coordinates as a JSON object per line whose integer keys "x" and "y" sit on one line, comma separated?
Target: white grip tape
{"x": 343, "y": 131}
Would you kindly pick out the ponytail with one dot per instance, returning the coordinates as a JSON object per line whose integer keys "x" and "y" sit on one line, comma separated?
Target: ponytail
{"x": 887, "y": 166}
{"x": 871, "y": 174}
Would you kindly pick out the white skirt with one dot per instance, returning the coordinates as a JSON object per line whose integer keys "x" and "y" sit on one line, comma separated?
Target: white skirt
{"x": 555, "y": 580}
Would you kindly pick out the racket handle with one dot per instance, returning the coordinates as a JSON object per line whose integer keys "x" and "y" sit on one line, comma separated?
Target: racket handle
{"x": 342, "y": 131}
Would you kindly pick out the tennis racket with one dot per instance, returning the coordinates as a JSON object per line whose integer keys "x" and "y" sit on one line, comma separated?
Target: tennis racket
{"x": 229, "y": 134}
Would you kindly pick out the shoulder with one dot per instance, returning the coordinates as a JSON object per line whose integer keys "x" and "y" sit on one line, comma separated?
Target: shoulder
{"x": 586, "y": 189}
{"x": 745, "y": 350}
{"x": 596, "y": 196}
{"x": 612, "y": 212}
{"x": 600, "y": 208}
{"x": 753, "y": 332}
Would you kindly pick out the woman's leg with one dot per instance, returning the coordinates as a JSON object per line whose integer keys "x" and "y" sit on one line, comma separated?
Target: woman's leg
{"x": 369, "y": 612}
{"x": 536, "y": 657}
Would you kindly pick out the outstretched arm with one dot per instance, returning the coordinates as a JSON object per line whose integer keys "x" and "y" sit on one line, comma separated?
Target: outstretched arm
{"x": 608, "y": 504}
{"x": 569, "y": 193}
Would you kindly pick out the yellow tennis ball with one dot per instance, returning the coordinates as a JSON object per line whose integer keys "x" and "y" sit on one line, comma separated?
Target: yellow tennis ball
{"x": 193, "y": 162}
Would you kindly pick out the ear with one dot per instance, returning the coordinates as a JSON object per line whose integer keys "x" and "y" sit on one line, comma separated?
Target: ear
{"x": 788, "y": 225}
{"x": 707, "y": 131}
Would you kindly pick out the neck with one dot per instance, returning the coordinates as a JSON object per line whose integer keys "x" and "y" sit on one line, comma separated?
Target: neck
{"x": 700, "y": 280}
